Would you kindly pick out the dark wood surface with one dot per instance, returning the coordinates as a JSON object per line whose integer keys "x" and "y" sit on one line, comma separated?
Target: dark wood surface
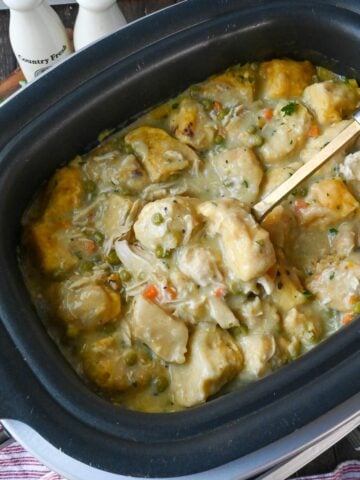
{"x": 133, "y": 9}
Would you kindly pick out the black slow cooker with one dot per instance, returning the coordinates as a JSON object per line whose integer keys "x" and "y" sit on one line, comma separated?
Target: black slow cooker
{"x": 59, "y": 115}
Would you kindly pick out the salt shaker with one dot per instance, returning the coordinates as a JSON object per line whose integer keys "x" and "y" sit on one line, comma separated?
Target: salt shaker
{"x": 96, "y": 18}
{"x": 37, "y": 35}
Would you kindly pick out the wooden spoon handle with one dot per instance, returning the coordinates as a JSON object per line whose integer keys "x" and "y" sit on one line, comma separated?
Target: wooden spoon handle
{"x": 349, "y": 133}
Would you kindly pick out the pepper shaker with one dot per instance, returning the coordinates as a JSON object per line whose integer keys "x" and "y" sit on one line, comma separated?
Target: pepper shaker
{"x": 96, "y": 18}
{"x": 37, "y": 35}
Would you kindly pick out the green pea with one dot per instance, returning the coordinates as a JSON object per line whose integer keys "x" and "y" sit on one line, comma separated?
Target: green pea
{"x": 72, "y": 331}
{"x": 99, "y": 237}
{"x": 194, "y": 90}
{"x": 130, "y": 357}
{"x": 141, "y": 276}
{"x": 307, "y": 294}
{"x": 157, "y": 219}
{"x": 160, "y": 252}
{"x": 223, "y": 112}
{"x": 207, "y": 104}
{"x": 112, "y": 258}
{"x": 219, "y": 139}
{"x": 302, "y": 192}
{"x": 160, "y": 383}
{"x": 90, "y": 186}
{"x": 252, "y": 129}
{"x": 125, "y": 275}
{"x": 120, "y": 143}
{"x": 86, "y": 266}
{"x": 257, "y": 140}
{"x": 59, "y": 275}
{"x": 236, "y": 288}
{"x": 356, "y": 308}
{"x": 240, "y": 330}
{"x": 128, "y": 149}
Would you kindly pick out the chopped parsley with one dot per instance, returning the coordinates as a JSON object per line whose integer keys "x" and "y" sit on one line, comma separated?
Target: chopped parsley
{"x": 289, "y": 109}
{"x": 350, "y": 82}
{"x": 245, "y": 183}
{"x": 307, "y": 294}
{"x": 104, "y": 134}
{"x": 260, "y": 244}
{"x": 332, "y": 276}
{"x": 333, "y": 231}
{"x": 300, "y": 192}
{"x": 228, "y": 183}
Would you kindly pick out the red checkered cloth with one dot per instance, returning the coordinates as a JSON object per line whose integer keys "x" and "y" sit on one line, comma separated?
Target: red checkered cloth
{"x": 345, "y": 471}
{"x": 17, "y": 464}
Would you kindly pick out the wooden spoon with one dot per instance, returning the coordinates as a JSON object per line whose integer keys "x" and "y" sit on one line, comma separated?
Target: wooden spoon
{"x": 349, "y": 133}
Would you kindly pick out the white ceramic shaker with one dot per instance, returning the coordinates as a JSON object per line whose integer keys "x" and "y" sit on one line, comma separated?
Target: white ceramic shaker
{"x": 37, "y": 35}
{"x": 96, "y": 18}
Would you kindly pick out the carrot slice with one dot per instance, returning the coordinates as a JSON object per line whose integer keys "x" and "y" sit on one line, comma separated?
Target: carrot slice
{"x": 150, "y": 292}
{"x": 347, "y": 319}
{"x": 172, "y": 292}
{"x": 272, "y": 272}
{"x": 314, "y": 130}
{"x": 268, "y": 114}
{"x": 90, "y": 246}
{"x": 300, "y": 204}
{"x": 217, "y": 106}
{"x": 219, "y": 292}
{"x": 64, "y": 224}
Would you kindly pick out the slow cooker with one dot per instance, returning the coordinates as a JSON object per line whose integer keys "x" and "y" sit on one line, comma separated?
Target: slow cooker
{"x": 59, "y": 115}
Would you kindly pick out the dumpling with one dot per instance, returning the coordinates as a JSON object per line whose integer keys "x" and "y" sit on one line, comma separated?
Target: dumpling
{"x": 285, "y": 133}
{"x": 168, "y": 223}
{"x": 191, "y": 125}
{"x": 240, "y": 172}
{"x": 161, "y": 154}
{"x": 246, "y": 247}
{"x": 166, "y": 335}
{"x": 285, "y": 78}
{"x": 213, "y": 360}
{"x": 331, "y": 101}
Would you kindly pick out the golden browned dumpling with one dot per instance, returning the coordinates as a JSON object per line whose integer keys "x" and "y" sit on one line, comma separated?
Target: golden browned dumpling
{"x": 285, "y": 78}
{"x": 160, "y": 153}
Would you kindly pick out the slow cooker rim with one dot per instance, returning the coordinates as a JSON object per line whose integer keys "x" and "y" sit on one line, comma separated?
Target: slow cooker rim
{"x": 353, "y": 328}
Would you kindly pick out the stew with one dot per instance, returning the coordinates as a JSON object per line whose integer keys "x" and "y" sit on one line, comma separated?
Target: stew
{"x": 146, "y": 266}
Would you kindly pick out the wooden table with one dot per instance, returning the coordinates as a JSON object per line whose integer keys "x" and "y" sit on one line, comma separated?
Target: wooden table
{"x": 133, "y": 9}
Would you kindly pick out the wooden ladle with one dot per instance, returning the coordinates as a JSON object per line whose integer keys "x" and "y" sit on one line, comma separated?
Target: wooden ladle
{"x": 268, "y": 203}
